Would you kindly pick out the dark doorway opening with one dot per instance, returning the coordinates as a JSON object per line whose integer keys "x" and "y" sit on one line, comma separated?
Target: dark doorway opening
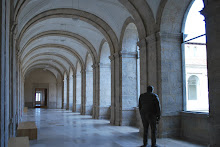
{"x": 40, "y": 98}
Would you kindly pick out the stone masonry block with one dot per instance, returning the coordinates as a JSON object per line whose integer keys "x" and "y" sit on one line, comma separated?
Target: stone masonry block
{"x": 18, "y": 142}
{"x": 27, "y": 129}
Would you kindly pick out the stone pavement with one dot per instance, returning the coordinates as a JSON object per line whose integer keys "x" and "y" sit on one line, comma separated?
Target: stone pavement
{"x": 62, "y": 128}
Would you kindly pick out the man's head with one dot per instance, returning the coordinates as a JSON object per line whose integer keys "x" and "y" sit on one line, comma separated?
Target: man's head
{"x": 150, "y": 88}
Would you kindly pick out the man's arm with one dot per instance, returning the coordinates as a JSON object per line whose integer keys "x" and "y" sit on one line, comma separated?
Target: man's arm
{"x": 158, "y": 107}
{"x": 140, "y": 103}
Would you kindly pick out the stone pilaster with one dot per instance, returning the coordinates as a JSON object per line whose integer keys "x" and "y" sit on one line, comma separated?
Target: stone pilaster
{"x": 67, "y": 93}
{"x": 170, "y": 82}
{"x": 96, "y": 90}
{"x": 83, "y": 90}
{"x": 143, "y": 62}
{"x": 74, "y": 93}
{"x": 212, "y": 15}
{"x": 152, "y": 66}
{"x": 115, "y": 90}
{"x": 62, "y": 94}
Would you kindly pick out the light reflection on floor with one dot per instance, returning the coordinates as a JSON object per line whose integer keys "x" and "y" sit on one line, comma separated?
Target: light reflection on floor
{"x": 61, "y": 128}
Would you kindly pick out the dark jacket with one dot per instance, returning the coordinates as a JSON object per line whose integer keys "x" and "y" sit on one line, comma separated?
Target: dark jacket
{"x": 149, "y": 104}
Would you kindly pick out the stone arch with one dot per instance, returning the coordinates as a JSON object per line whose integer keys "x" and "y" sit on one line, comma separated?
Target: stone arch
{"x": 89, "y": 85}
{"x": 51, "y": 54}
{"x": 171, "y": 16}
{"x": 57, "y": 62}
{"x": 74, "y": 36}
{"x": 104, "y": 28}
{"x": 36, "y": 64}
{"x": 33, "y": 67}
{"x": 58, "y": 46}
{"x": 127, "y": 22}
{"x": 144, "y": 20}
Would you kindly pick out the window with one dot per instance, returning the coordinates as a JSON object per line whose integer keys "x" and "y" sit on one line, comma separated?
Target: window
{"x": 195, "y": 60}
{"x": 192, "y": 87}
{"x": 38, "y": 96}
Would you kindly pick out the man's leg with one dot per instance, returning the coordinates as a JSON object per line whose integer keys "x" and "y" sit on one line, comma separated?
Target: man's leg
{"x": 153, "y": 130}
{"x": 145, "y": 125}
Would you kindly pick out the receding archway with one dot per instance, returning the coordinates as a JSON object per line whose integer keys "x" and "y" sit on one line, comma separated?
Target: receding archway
{"x": 105, "y": 81}
{"x": 130, "y": 74}
{"x": 89, "y": 86}
{"x": 78, "y": 88}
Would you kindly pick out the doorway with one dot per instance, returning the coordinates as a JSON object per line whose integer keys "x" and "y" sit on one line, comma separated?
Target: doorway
{"x": 40, "y": 98}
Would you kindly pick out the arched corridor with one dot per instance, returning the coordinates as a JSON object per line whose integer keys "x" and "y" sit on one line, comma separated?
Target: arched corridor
{"x": 79, "y": 59}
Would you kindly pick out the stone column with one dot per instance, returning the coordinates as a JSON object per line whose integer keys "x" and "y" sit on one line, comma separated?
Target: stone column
{"x": 116, "y": 107}
{"x": 14, "y": 76}
{"x": 83, "y": 90}
{"x": 143, "y": 65}
{"x": 170, "y": 82}
{"x": 74, "y": 92}
{"x": 59, "y": 94}
{"x": 70, "y": 92}
{"x": 4, "y": 71}
{"x": 212, "y": 18}
{"x": 62, "y": 94}
{"x": 96, "y": 91}
{"x": 67, "y": 94}
{"x": 112, "y": 113}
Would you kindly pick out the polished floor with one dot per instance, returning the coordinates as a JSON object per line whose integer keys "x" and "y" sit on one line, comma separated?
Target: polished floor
{"x": 61, "y": 128}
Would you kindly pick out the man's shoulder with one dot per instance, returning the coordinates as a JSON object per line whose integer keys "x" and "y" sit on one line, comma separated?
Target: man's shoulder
{"x": 155, "y": 94}
{"x": 143, "y": 95}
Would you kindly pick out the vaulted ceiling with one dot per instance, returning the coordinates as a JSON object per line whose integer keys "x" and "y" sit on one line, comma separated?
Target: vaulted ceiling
{"x": 55, "y": 35}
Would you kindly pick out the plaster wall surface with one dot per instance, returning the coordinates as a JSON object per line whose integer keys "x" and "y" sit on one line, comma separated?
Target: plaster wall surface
{"x": 41, "y": 77}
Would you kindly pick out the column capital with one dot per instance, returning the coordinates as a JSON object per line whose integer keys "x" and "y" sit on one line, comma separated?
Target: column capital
{"x": 83, "y": 71}
{"x": 152, "y": 38}
{"x": 115, "y": 56}
{"x": 74, "y": 76}
{"x": 141, "y": 43}
{"x": 96, "y": 65}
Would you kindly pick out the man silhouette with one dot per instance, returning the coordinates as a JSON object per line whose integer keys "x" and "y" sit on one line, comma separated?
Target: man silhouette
{"x": 149, "y": 107}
